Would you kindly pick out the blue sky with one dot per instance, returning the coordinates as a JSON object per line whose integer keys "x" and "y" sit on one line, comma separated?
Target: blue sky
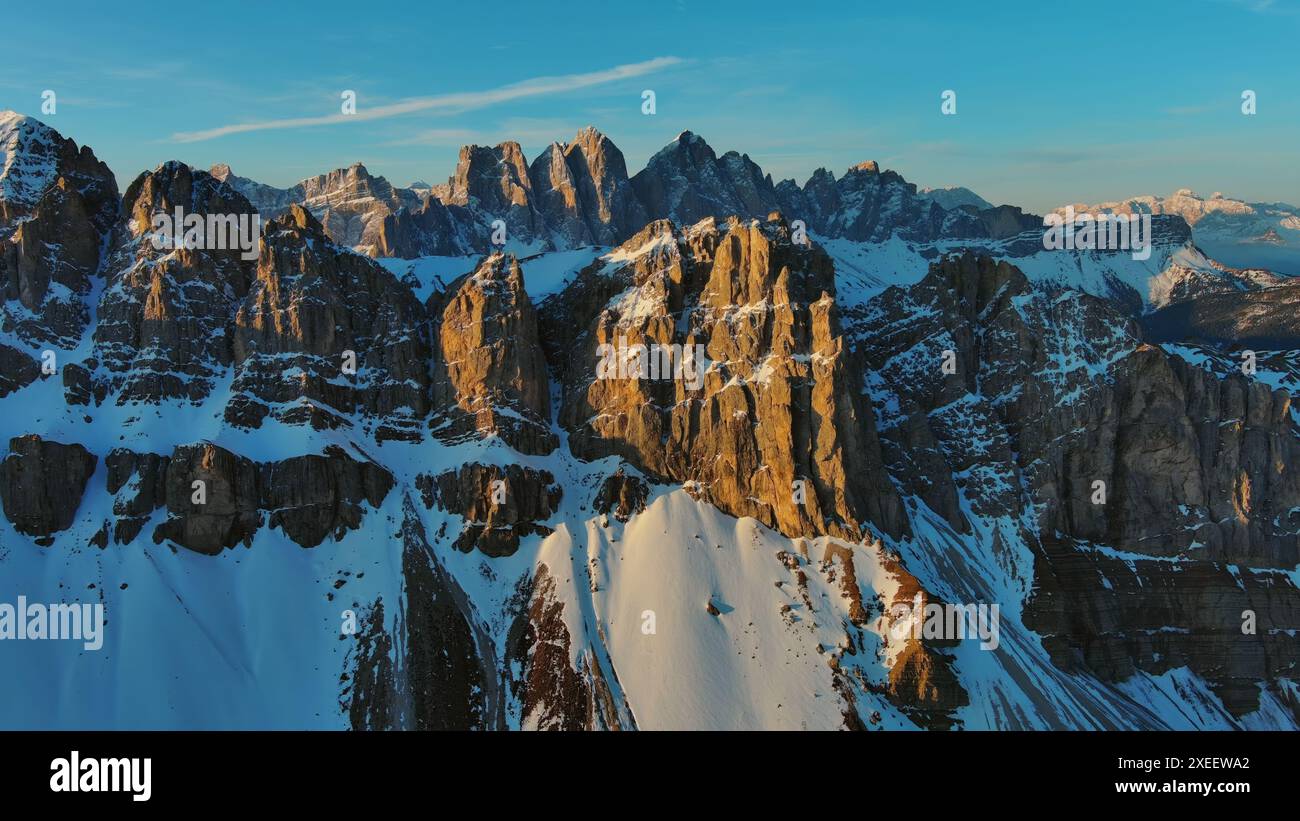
{"x": 1055, "y": 103}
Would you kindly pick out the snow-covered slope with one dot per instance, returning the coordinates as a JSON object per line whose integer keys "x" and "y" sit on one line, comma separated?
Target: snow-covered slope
{"x": 28, "y": 164}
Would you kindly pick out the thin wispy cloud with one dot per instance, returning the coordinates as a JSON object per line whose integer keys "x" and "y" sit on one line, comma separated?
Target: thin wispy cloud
{"x": 1269, "y": 7}
{"x": 1181, "y": 110}
{"x": 439, "y": 136}
{"x": 450, "y": 103}
{"x": 155, "y": 71}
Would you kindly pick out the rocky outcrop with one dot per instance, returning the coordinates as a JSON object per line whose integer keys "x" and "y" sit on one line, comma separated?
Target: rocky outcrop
{"x": 1113, "y": 616}
{"x": 867, "y": 204}
{"x": 622, "y": 494}
{"x": 165, "y": 321}
{"x": 1193, "y": 465}
{"x": 326, "y": 335}
{"x": 500, "y": 505}
{"x": 33, "y": 157}
{"x": 269, "y": 201}
{"x": 431, "y": 667}
{"x": 316, "y": 496}
{"x": 557, "y": 198}
{"x": 41, "y": 484}
{"x": 490, "y": 375}
{"x": 216, "y": 499}
{"x": 551, "y": 692}
{"x": 751, "y": 401}
{"x": 432, "y": 229}
{"x": 138, "y": 483}
{"x": 17, "y": 370}
{"x": 211, "y": 497}
{"x": 1265, "y": 318}
{"x": 572, "y": 194}
{"x": 921, "y": 681}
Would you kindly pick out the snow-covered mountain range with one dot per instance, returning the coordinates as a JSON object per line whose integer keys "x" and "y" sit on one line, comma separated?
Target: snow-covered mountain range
{"x": 379, "y": 476}
{"x": 1239, "y": 233}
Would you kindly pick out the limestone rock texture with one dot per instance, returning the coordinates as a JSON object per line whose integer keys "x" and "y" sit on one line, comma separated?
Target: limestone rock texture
{"x": 490, "y": 373}
{"x": 499, "y": 505}
{"x": 1158, "y": 499}
{"x": 325, "y": 334}
{"x": 216, "y": 499}
{"x": 762, "y": 394}
{"x": 164, "y": 326}
{"x": 41, "y": 484}
{"x": 583, "y": 192}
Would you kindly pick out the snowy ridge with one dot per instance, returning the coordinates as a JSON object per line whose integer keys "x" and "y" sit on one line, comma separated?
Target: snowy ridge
{"x": 28, "y": 165}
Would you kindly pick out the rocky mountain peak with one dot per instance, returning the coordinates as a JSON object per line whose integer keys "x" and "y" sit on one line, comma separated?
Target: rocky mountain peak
{"x": 33, "y": 156}
{"x": 350, "y": 203}
{"x": 328, "y": 338}
{"x": 58, "y": 204}
{"x": 955, "y": 196}
{"x": 29, "y": 154}
{"x": 172, "y": 185}
{"x": 163, "y": 330}
{"x": 489, "y": 173}
{"x": 1184, "y": 202}
{"x": 494, "y": 183}
{"x": 686, "y": 182}
{"x": 583, "y": 194}
{"x": 589, "y": 137}
{"x": 578, "y": 193}
{"x": 303, "y": 220}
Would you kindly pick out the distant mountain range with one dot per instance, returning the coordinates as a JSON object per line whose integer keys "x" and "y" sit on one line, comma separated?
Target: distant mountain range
{"x": 1241, "y": 234}
{"x": 579, "y": 194}
{"x": 954, "y": 196}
